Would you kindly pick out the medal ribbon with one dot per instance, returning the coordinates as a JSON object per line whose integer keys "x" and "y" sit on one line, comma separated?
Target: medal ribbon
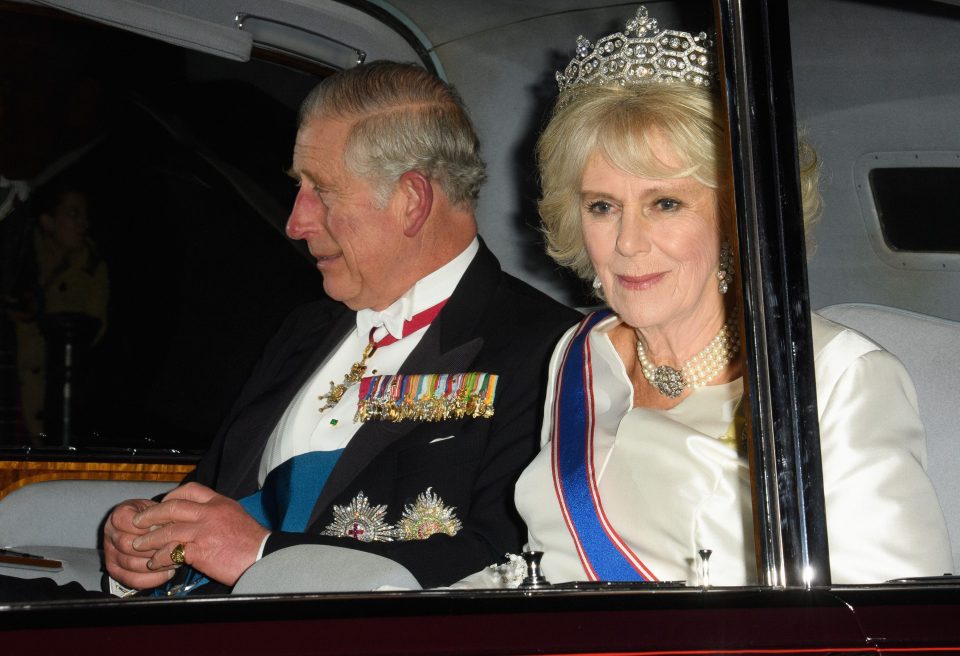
{"x": 427, "y": 397}
{"x": 602, "y": 552}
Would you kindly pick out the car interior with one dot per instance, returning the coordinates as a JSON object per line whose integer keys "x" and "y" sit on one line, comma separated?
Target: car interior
{"x": 179, "y": 119}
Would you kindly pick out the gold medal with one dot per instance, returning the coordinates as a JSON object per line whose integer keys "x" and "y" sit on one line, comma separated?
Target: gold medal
{"x": 352, "y": 377}
{"x": 427, "y": 397}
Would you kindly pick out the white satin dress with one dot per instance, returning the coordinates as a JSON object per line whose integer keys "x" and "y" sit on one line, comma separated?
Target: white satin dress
{"x": 673, "y": 482}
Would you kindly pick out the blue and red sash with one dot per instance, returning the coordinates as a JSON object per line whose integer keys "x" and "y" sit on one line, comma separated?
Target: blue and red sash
{"x": 603, "y": 554}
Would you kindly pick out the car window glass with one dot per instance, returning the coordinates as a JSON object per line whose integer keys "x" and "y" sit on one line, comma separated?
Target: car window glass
{"x": 895, "y": 191}
{"x": 883, "y": 120}
{"x": 179, "y": 271}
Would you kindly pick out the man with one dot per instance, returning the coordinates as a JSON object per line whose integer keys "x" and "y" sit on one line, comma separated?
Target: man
{"x": 323, "y": 446}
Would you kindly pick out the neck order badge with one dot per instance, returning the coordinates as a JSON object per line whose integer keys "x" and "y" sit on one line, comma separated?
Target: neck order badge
{"x": 416, "y": 322}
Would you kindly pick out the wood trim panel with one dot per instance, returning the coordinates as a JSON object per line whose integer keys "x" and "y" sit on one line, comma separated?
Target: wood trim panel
{"x": 15, "y": 474}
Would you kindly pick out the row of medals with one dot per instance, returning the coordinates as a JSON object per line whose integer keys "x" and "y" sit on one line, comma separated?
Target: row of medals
{"x": 461, "y": 406}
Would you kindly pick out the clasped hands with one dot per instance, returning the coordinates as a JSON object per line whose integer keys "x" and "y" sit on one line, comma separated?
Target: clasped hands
{"x": 220, "y": 539}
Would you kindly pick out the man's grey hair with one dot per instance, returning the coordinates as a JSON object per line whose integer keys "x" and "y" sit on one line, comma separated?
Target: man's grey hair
{"x": 404, "y": 119}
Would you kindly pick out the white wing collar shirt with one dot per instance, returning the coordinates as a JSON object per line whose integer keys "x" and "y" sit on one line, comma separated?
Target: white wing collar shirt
{"x": 303, "y": 428}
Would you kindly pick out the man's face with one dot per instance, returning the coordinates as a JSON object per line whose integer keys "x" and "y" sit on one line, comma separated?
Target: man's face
{"x": 359, "y": 247}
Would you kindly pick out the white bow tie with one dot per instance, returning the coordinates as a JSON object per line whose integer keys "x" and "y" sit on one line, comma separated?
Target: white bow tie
{"x": 391, "y": 319}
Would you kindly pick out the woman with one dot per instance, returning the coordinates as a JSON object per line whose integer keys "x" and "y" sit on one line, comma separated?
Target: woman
{"x": 644, "y": 406}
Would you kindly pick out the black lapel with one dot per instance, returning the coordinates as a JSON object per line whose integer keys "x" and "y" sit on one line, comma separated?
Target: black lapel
{"x": 450, "y": 345}
{"x": 308, "y": 349}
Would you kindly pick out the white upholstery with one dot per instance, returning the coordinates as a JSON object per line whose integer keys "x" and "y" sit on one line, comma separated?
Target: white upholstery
{"x": 66, "y": 513}
{"x": 322, "y": 568}
{"x": 929, "y": 347}
{"x": 61, "y": 520}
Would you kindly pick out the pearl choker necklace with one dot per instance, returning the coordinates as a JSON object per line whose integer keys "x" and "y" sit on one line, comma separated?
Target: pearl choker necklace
{"x": 698, "y": 370}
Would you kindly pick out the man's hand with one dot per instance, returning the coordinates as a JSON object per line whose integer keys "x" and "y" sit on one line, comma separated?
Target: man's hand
{"x": 125, "y": 563}
{"x": 220, "y": 539}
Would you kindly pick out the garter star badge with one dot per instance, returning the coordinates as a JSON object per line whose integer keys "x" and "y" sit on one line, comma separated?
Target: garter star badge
{"x": 360, "y": 521}
{"x": 427, "y": 516}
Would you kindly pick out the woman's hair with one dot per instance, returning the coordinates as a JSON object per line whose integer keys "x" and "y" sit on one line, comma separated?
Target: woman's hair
{"x": 404, "y": 119}
{"x": 617, "y": 123}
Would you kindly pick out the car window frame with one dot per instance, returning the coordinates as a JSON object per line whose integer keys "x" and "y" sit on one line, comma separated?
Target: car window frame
{"x": 784, "y": 446}
{"x": 784, "y": 460}
{"x": 784, "y": 449}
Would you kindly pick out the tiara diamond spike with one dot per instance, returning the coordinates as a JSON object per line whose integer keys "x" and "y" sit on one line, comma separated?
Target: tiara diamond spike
{"x": 641, "y": 52}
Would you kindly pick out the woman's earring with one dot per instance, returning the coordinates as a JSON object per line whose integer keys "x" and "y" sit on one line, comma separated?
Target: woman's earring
{"x": 596, "y": 282}
{"x": 725, "y": 273}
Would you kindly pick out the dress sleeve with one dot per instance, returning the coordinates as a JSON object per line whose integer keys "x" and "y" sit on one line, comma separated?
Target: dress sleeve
{"x": 883, "y": 517}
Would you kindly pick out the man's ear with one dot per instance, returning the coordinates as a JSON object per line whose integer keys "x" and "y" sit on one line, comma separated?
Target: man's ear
{"x": 417, "y": 197}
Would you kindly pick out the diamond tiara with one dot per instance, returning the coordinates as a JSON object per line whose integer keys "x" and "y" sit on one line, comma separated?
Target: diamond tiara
{"x": 640, "y": 53}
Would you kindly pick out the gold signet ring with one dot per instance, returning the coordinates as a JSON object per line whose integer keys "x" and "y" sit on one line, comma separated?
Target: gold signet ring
{"x": 176, "y": 555}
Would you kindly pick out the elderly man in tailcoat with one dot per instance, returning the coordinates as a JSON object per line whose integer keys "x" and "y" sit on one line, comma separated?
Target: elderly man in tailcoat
{"x": 395, "y": 417}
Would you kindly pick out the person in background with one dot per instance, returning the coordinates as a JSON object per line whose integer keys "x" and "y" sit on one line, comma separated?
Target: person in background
{"x": 62, "y": 300}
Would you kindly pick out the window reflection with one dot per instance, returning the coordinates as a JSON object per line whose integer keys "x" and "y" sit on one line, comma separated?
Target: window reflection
{"x": 150, "y": 292}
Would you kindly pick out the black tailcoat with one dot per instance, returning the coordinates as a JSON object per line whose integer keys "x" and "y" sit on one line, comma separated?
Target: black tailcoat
{"x": 492, "y": 323}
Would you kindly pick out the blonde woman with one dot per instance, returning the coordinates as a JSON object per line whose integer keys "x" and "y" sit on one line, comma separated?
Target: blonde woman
{"x": 643, "y": 462}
